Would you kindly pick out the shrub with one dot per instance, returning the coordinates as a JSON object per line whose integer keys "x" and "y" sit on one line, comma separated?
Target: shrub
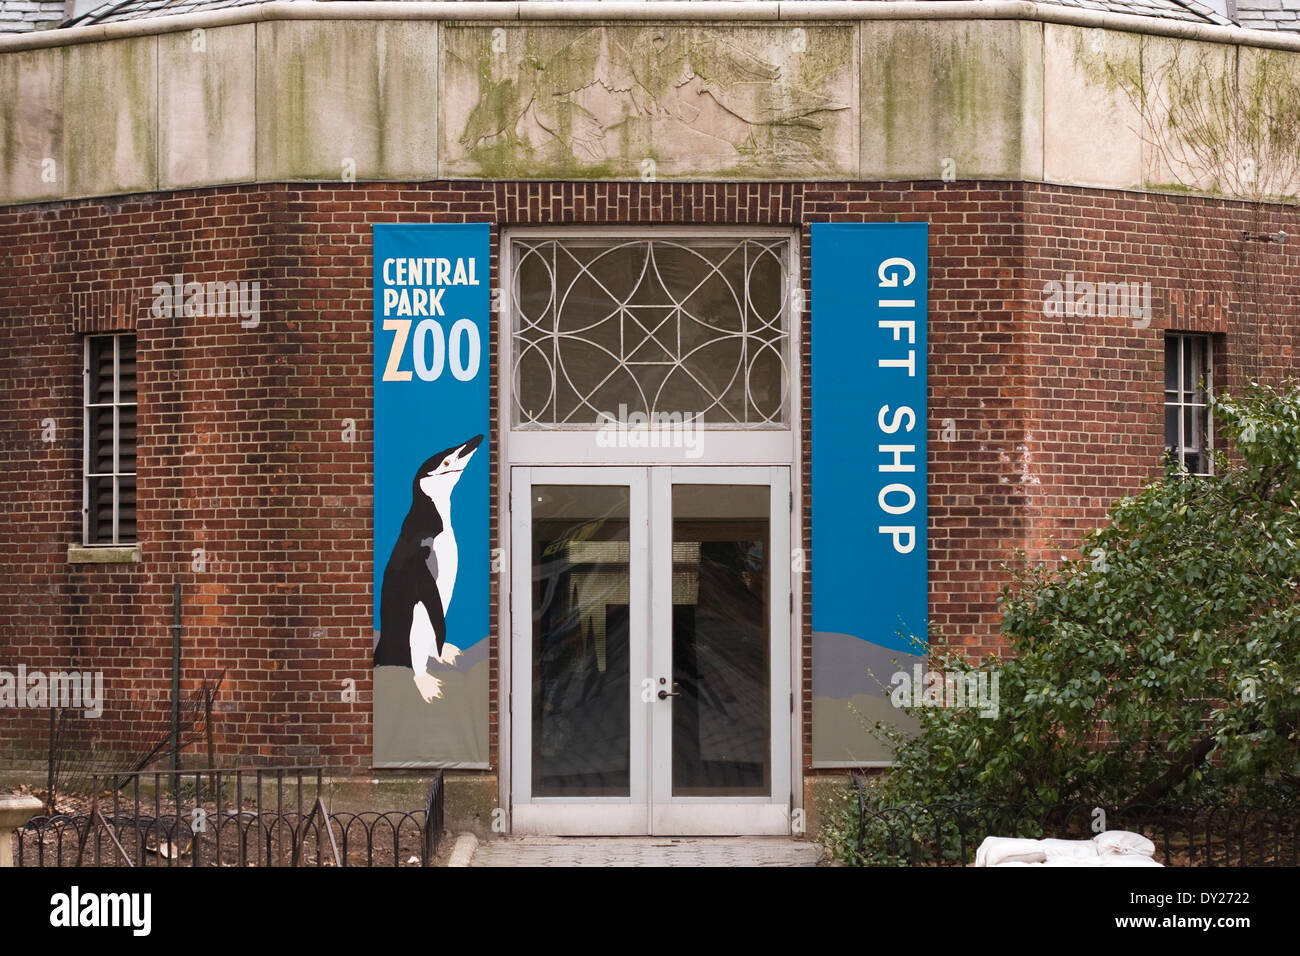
{"x": 1162, "y": 663}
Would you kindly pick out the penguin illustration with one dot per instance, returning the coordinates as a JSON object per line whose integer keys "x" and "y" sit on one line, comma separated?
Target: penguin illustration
{"x": 421, "y": 573}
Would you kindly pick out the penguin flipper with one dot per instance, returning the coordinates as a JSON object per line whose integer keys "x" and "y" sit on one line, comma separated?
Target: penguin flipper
{"x": 428, "y": 593}
{"x": 401, "y": 581}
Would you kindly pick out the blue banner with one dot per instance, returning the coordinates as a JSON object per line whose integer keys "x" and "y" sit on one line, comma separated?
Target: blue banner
{"x": 431, "y": 561}
{"x": 869, "y": 568}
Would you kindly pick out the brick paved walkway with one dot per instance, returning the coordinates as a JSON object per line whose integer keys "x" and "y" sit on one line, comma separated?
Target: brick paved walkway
{"x": 646, "y": 851}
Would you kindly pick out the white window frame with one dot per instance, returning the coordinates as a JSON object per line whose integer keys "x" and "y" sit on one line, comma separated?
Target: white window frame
{"x": 117, "y": 405}
{"x": 1181, "y": 449}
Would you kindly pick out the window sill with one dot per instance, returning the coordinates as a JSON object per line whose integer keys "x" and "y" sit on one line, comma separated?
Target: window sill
{"x": 103, "y": 554}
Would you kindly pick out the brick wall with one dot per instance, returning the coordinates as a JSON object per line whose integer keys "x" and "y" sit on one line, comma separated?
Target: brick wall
{"x": 242, "y": 454}
{"x": 1094, "y": 407}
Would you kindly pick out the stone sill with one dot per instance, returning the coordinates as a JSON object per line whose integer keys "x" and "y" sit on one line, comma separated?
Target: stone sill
{"x": 103, "y": 554}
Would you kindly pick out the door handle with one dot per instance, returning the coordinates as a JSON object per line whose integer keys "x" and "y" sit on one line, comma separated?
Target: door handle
{"x": 664, "y": 695}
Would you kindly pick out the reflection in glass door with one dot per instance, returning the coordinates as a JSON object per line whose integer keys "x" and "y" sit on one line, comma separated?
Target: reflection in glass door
{"x": 721, "y": 649}
{"x": 580, "y": 645}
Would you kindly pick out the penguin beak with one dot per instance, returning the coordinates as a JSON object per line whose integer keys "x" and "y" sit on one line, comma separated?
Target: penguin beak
{"x": 467, "y": 449}
{"x": 458, "y": 460}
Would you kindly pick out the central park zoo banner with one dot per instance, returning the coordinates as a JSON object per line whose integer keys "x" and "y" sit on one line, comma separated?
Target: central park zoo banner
{"x": 431, "y": 561}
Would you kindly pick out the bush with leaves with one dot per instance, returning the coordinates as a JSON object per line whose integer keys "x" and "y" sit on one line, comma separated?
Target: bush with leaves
{"x": 1161, "y": 665}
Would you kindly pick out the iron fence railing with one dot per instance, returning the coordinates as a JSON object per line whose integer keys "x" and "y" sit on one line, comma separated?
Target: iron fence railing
{"x": 949, "y": 834}
{"x": 255, "y": 817}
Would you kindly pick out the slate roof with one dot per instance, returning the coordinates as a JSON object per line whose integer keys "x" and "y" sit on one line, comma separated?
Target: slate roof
{"x": 1189, "y": 10}
{"x": 114, "y": 11}
{"x": 23, "y": 16}
{"x": 1269, "y": 14}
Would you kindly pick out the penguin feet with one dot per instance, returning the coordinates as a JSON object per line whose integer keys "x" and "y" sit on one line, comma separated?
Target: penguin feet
{"x": 428, "y": 686}
{"x": 449, "y": 654}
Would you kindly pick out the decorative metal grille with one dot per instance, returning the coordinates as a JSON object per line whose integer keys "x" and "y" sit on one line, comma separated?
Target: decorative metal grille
{"x": 650, "y": 327}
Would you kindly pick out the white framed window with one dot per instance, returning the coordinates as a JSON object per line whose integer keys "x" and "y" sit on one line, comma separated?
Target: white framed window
{"x": 109, "y": 427}
{"x": 1189, "y": 378}
{"x": 650, "y": 323}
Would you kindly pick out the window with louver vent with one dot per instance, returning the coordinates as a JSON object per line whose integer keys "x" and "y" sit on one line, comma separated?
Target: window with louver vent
{"x": 110, "y": 440}
{"x": 1189, "y": 429}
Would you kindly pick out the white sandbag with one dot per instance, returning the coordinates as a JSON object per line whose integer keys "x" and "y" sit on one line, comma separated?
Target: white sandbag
{"x": 1112, "y": 848}
{"x": 1071, "y": 848}
{"x": 995, "y": 851}
{"x": 1106, "y": 859}
{"x": 1067, "y": 860}
{"x": 1127, "y": 859}
{"x": 1123, "y": 842}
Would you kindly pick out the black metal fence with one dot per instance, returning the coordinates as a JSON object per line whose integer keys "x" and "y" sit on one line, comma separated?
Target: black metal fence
{"x": 949, "y": 834}
{"x": 255, "y": 817}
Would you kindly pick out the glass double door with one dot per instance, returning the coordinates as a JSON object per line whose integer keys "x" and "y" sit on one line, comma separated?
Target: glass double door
{"x": 650, "y": 688}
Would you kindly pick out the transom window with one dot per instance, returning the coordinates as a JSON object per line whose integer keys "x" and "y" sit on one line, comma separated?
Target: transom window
{"x": 1188, "y": 428}
{"x": 615, "y": 327}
